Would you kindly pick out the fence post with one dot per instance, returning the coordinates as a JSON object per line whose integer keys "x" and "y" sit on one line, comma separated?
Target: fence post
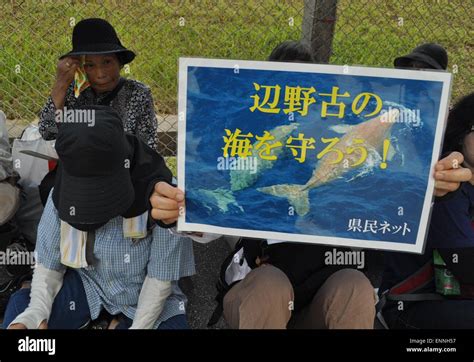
{"x": 319, "y": 20}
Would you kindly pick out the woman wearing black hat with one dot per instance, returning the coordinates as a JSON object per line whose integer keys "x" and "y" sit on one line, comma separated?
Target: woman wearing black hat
{"x": 98, "y": 244}
{"x": 98, "y": 52}
{"x": 425, "y": 56}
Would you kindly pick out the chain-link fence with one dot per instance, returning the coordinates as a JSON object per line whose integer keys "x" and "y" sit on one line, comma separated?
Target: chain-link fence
{"x": 371, "y": 32}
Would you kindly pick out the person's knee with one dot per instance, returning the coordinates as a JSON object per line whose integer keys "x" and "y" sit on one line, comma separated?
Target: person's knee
{"x": 273, "y": 282}
{"x": 17, "y": 303}
{"x": 354, "y": 284}
{"x": 347, "y": 285}
{"x": 350, "y": 301}
{"x": 266, "y": 281}
{"x": 353, "y": 290}
{"x": 261, "y": 299}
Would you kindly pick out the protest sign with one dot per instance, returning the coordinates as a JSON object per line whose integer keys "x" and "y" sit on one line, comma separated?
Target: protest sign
{"x": 326, "y": 154}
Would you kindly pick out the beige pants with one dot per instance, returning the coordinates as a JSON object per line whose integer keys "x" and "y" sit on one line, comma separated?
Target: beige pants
{"x": 264, "y": 300}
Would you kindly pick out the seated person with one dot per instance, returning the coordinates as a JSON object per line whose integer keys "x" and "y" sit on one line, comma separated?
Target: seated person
{"x": 98, "y": 55}
{"x": 97, "y": 247}
{"x": 451, "y": 234}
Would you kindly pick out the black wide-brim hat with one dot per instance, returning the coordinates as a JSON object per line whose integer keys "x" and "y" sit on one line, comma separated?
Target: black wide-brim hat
{"x": 87, "y": 200}
{"x": 432, "y": 54}
{"x": 93, "y": 183}
{"x": 97, "y": 36}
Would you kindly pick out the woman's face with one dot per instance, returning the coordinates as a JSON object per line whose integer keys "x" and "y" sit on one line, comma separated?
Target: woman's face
{"x": 103, "y": 71}
{"x": 417, "y": 64}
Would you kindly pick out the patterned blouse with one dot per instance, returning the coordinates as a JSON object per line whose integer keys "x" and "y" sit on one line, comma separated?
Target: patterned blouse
{"x": 134, "y": 104}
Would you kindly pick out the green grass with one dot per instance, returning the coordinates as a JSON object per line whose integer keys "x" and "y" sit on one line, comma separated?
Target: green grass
{"x": 171, "y": 163}
{"x": 35, "y": 33}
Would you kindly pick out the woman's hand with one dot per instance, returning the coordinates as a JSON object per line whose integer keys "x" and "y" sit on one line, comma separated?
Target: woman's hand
{"x": 65, "y": 71}
{"x": 449, "y": 174}
{"x": 166, "y": 202}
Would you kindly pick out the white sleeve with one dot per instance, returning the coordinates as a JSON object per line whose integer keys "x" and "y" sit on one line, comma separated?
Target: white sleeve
{"x": 45, "y": 286}
{"x": 150, "y": 303}
{"x": 204, "y": 239}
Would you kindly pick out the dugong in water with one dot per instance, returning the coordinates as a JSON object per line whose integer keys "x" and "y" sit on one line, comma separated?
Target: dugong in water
{"x": 373, "y": 132}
